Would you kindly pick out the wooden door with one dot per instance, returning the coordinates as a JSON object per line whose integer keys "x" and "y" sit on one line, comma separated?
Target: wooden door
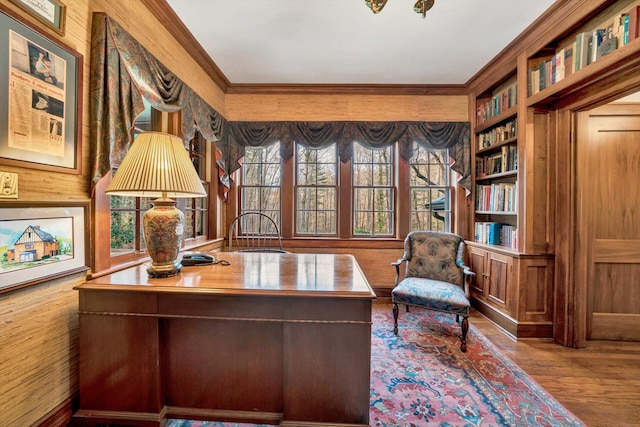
{"x": 608, "y": 181}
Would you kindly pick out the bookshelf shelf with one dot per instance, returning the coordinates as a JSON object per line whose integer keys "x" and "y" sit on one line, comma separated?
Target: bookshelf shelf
{"x": 495, "y": 147}
{"x": 493, "y": 121}
{"x": 505, "y": 213}
{"x": 494, "y": 176}
{"x": 623, "y": 59}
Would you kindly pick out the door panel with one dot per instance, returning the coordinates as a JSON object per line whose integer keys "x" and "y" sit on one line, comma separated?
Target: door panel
{"x": 610, "y": 181}
{"x": 499, "y": 279}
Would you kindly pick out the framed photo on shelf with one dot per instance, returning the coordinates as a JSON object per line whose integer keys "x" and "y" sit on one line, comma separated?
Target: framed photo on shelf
{"x": 40, "y": 93}
{"x": 51, "y": 12}
{"x": 40, "y": 241}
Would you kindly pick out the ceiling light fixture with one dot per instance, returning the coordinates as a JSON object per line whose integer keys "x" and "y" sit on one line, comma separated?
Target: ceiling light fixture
{"x": 421, "y": 6}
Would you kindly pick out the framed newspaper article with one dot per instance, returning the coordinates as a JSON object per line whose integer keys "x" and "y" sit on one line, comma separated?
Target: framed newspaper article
{"x": 40, "y": 90}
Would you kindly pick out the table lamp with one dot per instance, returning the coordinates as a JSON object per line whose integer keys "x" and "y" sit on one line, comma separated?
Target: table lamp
{"x": 157, "y": 165}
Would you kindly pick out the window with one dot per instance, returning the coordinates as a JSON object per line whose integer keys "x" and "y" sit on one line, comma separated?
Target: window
{"x": 196, "y": 209}
{"x": 376, "y": 195}
{"x": 261, "y": 180}
{"x": 429, "y": 190}
{"x": 316, "y": 191}
{"x": 372, "y": 175}
{"x": 127, "y": 212}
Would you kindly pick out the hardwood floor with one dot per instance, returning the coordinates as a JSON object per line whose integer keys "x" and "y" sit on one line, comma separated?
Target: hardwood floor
{"x": 600, "y": 384}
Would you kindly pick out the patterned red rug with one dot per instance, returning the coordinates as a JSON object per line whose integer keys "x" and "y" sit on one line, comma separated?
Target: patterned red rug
{"x": 422, "y": 378}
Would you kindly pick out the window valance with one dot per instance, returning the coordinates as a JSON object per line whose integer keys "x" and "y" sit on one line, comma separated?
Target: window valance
{"x": 375, "y": 135}
{"x": 123, "y": 73}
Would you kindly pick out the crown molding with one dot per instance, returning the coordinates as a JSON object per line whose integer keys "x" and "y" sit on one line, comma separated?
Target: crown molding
{"x": 346, "y": 89}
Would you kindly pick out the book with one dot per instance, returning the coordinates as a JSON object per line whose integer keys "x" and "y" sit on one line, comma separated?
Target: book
{"x": 569, "y": 65}
{"x": 625, "y": 29}
{"x": 493, "y": 237}
{"x": 634, "y": 23}
{"x": 599, "y": 35}
{"x": 606, "y": 47}
{"x": 582, "y": 50}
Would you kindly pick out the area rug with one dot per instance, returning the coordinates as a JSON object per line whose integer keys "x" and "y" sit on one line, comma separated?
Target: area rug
{"x": 421, "y": 378}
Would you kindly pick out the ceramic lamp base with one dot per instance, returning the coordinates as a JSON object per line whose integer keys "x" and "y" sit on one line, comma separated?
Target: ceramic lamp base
{"x": 163, "y": 227}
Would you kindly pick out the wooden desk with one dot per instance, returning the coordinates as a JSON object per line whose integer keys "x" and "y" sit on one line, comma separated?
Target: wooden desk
{"x": 272, "y": 338}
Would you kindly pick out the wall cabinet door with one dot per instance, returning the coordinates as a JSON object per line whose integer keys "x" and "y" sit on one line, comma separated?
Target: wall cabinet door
{"x": 477, "y": 263}
{"x": 500, "y": 268}
{"x": 493, "y": 282}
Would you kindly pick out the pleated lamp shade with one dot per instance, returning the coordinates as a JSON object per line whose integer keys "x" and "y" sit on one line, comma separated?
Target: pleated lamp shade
{"x": 156, "y": 165}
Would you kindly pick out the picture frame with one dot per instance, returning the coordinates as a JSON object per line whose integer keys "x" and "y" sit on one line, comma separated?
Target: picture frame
{"x": 50, "y": 12}
{"x": 41, "y": 89}
{"x": 40, "y": 241}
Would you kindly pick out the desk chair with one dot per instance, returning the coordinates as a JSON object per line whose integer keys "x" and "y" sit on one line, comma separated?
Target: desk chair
{"x": 435, "y": 278}
{"x": 254, "y": 232}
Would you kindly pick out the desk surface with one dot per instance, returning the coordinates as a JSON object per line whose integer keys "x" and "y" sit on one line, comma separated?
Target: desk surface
{"x": 287, "y": 274}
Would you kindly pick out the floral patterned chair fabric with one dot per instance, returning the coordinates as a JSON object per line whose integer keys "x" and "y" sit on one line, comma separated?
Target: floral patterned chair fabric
{"x": 435, "y": 277}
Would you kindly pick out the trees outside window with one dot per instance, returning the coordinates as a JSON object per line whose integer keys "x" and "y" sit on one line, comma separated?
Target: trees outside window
{"x": 429, "y": 192}
{"x": 316, "y": 191}
{"x": 372, "y": 177}
{"x": 261, "y": 182}
{"x": 376, "y": 194}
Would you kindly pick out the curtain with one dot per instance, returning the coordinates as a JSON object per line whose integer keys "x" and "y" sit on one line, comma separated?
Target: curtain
{"x": 123, "y": 73}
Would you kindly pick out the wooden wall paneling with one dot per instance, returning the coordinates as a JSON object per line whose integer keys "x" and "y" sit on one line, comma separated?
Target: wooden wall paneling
{"x": 323, "y": 107}
{"x": 403, "y": 204}
{"x": 536, "y": 295}
{"x": 564, "y": 223}
{"x": 287, "y": 199}
{"x": 580, "y": 256}
{"x": 345, "y": 201}
{"x": 534, "y": 197}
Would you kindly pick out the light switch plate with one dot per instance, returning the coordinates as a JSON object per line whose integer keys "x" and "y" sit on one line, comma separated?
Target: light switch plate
{"x": 8, "y": 185}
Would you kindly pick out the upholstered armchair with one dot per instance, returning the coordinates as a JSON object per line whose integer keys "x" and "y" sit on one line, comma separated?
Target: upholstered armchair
{"x": 435, "y": 277}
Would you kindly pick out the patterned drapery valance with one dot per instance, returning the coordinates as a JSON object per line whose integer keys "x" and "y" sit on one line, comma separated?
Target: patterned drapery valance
{"x": 123, "y": 73}
{"x": 375, "y": 135}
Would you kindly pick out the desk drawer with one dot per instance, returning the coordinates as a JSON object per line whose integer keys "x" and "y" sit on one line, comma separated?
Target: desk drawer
{"x": 102, "y": 301}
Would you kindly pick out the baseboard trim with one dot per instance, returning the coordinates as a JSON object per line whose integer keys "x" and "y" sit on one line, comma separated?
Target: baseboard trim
{"x": 60, "y": 416}
{"x": 255, "y": 417}
{"x": 138, "y": 419}
{"x": 510, "y": 325}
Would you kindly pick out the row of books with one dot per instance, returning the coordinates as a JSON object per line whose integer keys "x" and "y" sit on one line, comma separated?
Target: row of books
{"x": 499, "y": 197}
{"x": 498, "y": 134}
{"x": 497, "y": 104}
{"x": 494, "y": 233}
{"x": 588, "y": 47}
{"x": 504, "y": 161}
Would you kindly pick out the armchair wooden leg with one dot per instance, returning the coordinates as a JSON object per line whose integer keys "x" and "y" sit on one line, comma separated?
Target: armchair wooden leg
{"x": 395, "y": 318}
{"x": 465, "y": 329}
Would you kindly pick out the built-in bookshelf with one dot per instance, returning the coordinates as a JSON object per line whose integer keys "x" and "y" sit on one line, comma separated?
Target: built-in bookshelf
{"x": 496, "y": 165}
{"x": 595, "y": 41}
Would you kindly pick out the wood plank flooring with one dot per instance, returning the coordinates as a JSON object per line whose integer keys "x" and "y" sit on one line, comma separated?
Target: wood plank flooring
{"x": 600, "y": 384}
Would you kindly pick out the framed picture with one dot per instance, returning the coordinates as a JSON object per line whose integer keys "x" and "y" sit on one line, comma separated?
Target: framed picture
{"x": 41, "y": 241}
{"x": 51, "y": 12}
{"x": 40, "y": 89}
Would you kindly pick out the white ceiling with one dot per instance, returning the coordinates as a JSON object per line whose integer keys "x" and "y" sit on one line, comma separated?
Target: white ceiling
{"x": 343, "y": 42}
